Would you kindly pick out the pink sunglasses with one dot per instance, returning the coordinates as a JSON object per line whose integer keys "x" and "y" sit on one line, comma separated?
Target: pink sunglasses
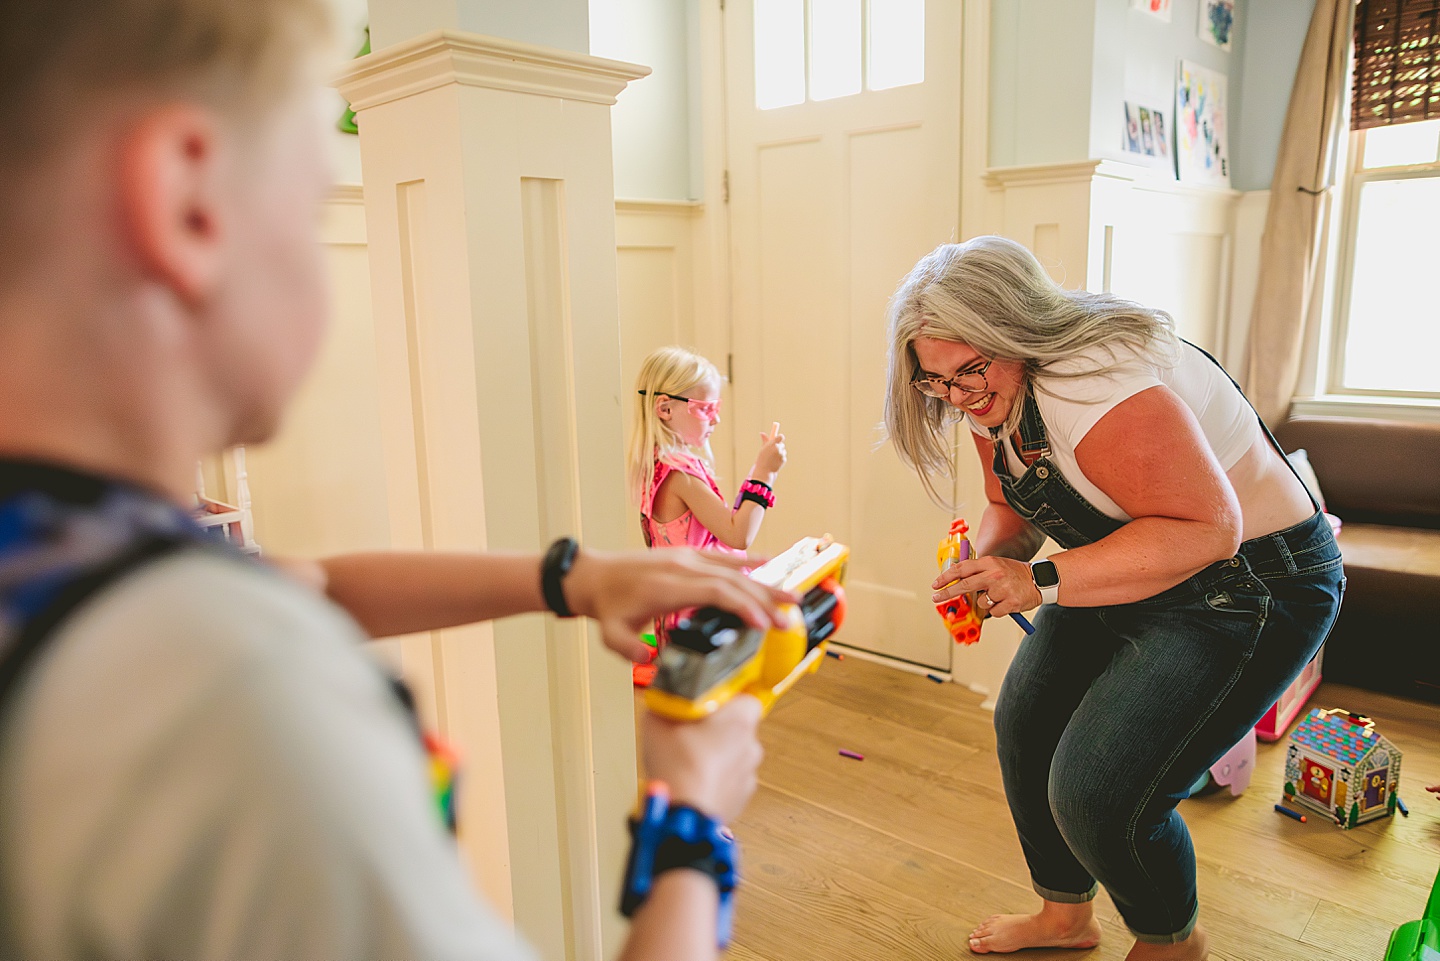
{"x": 703, "y": 409}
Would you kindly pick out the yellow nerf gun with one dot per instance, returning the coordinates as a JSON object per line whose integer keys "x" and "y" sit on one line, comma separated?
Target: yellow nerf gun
{"x": 713, "y": 655}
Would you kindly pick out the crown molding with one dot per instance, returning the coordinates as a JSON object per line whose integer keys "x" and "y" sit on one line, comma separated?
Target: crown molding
{"x": 671, "y": 208}
{"x": 444, "y": 57}
{"x": 1085, "y": 171}
{"x": 1031, "y": 175}
{"x": 346, "y": 194}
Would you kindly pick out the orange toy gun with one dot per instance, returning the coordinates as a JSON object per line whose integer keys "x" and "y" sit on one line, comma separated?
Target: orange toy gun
{"x": 961, "y": 618}
{"x": 960, "y": 614}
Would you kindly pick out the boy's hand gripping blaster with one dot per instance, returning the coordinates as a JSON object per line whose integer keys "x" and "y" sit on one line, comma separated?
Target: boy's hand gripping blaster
{"x": 713, "y": 655}
{"x": 961, "y": 615}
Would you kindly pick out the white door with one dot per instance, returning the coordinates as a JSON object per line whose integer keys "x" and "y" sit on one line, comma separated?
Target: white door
{"x": 844, "y": 168}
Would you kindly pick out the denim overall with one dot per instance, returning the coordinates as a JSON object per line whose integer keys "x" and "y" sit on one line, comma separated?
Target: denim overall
{"x": 1109, "y": 715}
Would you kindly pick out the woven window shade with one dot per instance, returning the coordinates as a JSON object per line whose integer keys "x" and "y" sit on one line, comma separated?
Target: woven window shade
{"x": 1397, "y": 62}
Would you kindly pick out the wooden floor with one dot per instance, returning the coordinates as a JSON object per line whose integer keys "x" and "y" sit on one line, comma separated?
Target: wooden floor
{"x": 900, "y": 855}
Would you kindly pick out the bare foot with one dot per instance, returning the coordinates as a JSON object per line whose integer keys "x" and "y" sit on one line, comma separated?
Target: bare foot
{"x": 1194, "y": 948}
{"x": 1055, "y": 926}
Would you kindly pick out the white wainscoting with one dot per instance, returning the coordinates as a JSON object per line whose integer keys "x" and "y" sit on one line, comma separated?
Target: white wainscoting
{"x": 1104, "y": 225}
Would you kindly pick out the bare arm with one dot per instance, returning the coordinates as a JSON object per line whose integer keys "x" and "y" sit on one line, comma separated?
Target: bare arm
{"x": 1002, "y": 532}
{"x": 736, "y": 527}
{"x": 710, "y": 765}
{"x": 1150, "y": 457}
{"x": 677, "y": 922}
{"x": 395, "y": 592}
{"x": 400, "y": 592}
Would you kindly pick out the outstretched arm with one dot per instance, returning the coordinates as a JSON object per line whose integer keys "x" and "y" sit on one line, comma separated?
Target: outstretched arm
{"x": 394, "y": 592}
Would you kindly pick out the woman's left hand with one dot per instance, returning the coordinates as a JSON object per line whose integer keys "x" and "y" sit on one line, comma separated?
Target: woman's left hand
{"x": 1001, "y": 585}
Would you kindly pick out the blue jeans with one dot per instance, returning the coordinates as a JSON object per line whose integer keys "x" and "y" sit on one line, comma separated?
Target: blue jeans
{"x": 1109, "y": 715}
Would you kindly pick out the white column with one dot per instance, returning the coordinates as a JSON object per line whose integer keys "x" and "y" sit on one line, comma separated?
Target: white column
{"x": 490, "y": 215}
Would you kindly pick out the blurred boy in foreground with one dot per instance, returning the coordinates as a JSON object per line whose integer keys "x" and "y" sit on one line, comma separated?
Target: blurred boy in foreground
{"x": 197, "y": 760}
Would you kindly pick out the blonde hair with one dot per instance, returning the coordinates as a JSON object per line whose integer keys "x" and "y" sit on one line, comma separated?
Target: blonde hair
{"x": 672, "y": 371}
{"x": 993, "y": 295}
{"x": 59, "y": 60}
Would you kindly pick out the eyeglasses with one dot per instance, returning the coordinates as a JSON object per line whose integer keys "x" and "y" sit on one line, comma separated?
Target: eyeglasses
{"x": 970, "y": 381}
{"x": 703, "y": 409}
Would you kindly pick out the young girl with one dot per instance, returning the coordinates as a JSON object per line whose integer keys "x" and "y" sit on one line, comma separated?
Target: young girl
{"x": 671, "y": 471}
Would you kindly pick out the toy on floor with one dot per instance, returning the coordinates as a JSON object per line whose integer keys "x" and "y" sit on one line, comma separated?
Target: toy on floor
{"x": 1419, "y": 940}
{"x": 1338, "y": 764}
{"x": 712, "y": 655}
{"x": 1234, "y": 768}
{"x": 1273, "y": 725}
{"x": 962, "y": 618}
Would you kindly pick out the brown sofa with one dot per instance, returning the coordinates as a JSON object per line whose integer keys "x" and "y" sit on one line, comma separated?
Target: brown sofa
{"x": 1382, "y": 479}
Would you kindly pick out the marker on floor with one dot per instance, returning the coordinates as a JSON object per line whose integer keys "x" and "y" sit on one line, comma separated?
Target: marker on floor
{"x": 851, "y": 754}
{"x": 1289, "y": 813}
{"x": 936, "y": 678}
{"x": 1401, "y": 805}
{"x": 835, "y": 654}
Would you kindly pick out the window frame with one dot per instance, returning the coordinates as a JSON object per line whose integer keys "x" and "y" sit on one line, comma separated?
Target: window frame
{"x": 866, "y": 6}
{"x": 1357, "y": 176}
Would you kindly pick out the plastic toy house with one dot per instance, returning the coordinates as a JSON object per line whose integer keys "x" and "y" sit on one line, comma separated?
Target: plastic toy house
{"x": 1340, "y": 765}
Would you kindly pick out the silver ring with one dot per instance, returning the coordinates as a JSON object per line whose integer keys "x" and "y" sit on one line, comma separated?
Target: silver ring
{"x": 988, "y": 601}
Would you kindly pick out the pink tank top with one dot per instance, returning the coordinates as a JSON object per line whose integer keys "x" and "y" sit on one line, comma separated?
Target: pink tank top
{"x": 685, "y": 530}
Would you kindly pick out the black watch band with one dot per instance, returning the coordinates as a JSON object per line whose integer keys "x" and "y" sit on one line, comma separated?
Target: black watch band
{"x": 674, "y": 853}
{"x": 558, "y": 561}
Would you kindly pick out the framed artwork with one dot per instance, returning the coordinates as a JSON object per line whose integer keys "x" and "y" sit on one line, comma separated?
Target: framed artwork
{"x": 1159, "y": 9}
{"x": 1146, "y": 138}
{"x": 1217, "y": 22}
{"x": 1202, "y": 144}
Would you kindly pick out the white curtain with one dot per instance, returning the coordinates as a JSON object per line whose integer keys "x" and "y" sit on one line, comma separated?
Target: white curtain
{"x": 1300, "y": 195}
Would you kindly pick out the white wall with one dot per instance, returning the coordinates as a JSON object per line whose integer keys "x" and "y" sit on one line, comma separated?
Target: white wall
{"x": 654, "y": 124}
{"x": 1040, "y": 75}
{"x": 351, "y": 18}
{"x": 1135, "y": 59}
{"x": 550, "y": 23}
{"x": 1274, "y": 33}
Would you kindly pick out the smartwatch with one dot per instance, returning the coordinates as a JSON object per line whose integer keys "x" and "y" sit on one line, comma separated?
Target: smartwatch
{"x": 556, "y": 564}
{"x": 1047, "y": 579}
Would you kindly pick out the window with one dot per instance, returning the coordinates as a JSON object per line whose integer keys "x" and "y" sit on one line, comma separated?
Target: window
{"x": 1391, "y": 327}
{"x": 823, "y": 49}
{"x": 1387, "y": 331}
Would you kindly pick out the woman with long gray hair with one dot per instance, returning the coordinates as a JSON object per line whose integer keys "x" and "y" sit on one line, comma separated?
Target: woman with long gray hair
{"x": 1196, "y": 575}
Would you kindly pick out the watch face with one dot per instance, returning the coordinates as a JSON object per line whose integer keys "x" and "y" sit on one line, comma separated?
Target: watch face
{"x": 1045, "y": 574}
